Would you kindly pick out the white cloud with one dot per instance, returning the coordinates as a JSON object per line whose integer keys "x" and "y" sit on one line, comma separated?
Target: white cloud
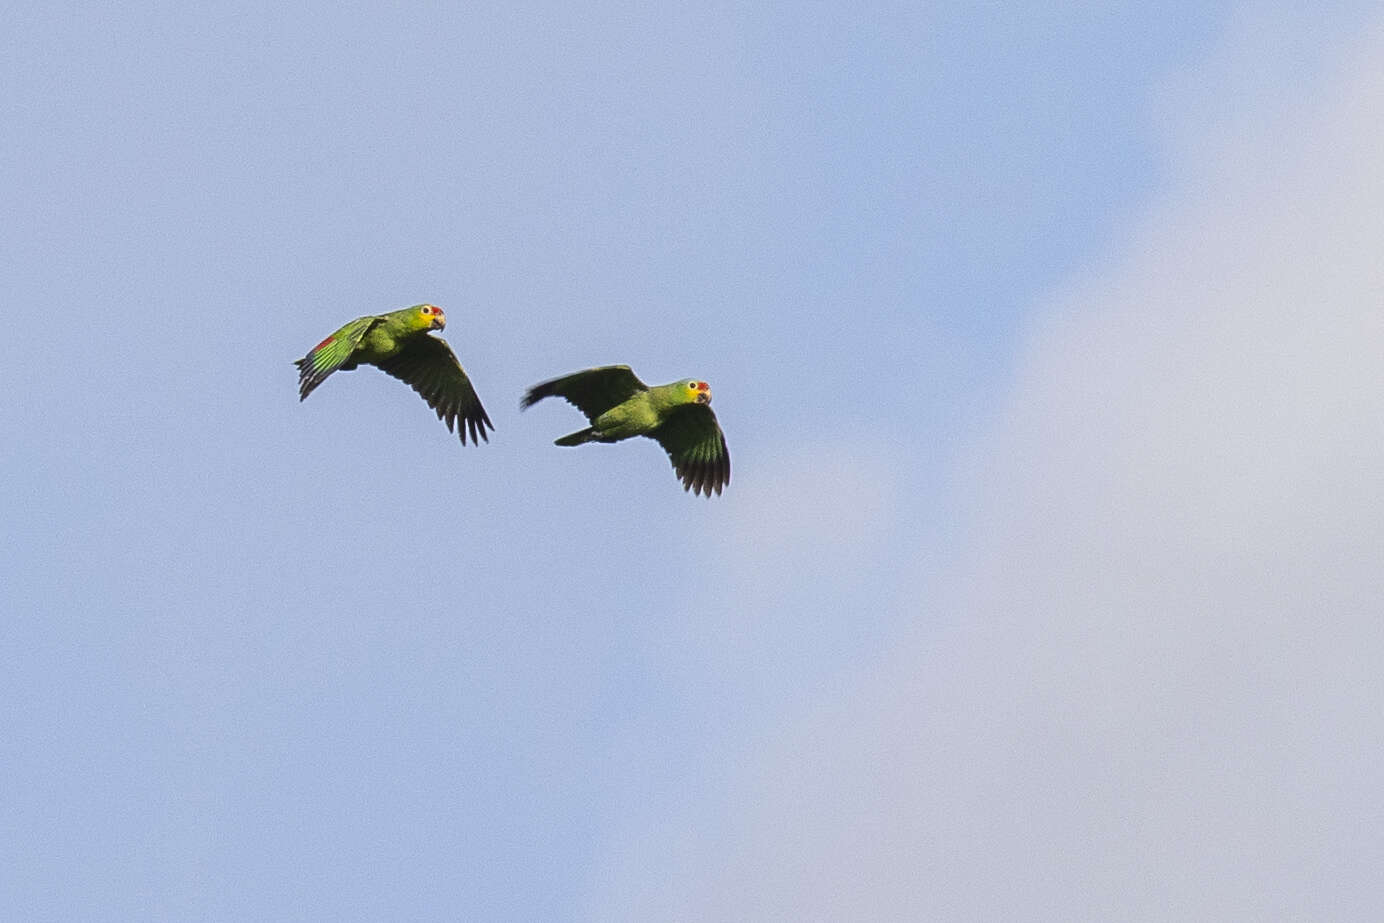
{"x": 1155, "y": 688}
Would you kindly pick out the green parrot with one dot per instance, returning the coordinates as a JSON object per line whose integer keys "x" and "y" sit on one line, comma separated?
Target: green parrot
{"x": 398, "y": 343}
{"x": 619, "y": 406}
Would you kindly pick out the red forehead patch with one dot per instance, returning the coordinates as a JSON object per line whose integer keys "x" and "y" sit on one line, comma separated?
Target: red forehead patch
{"x": 703, "y": 386}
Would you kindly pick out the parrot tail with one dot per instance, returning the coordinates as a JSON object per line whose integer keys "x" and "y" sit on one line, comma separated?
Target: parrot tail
{"x": 577, "y": 438}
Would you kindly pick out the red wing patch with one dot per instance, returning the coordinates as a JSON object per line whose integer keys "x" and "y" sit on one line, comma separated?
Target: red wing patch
{"x": 323, "y": 343}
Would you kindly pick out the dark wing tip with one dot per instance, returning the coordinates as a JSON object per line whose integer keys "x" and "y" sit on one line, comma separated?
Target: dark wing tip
{"x": 475, "y": 421}
{"x": 308, "y": 377}
{"x": 538, "y": 392}
{"x": 462, "y": 418}
{"x": 705, "y": 476}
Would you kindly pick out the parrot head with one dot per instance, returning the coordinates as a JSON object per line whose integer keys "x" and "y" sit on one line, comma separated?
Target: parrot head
{"x": 698, "y": 392}
{"x": 430, "y": 317}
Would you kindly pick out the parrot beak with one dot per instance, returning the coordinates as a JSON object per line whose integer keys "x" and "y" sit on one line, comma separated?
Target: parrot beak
{"x": 439, "y": 322}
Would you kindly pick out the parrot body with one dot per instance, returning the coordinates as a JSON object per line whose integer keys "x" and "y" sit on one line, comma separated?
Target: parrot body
{"x": 398, "y": 343}
{"x": 620, "y": 406}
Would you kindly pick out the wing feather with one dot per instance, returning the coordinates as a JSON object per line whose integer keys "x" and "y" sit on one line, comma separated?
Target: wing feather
{"x": 697, "y": 448}
{"x": 331, "y": 354}
{"x": 592, "y": 391}
{"x": 428, "y": 365}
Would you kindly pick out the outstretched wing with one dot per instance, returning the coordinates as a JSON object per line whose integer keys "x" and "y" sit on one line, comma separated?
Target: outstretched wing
{"x": 694, "y": 441}
{"x": 331, "y": 354}
{"x": 428, "y": 365}
{"x": 593, "y": 391}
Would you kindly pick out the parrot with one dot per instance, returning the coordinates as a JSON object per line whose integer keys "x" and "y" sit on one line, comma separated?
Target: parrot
{"x": 398, "y": 343}
{"x": 678, "y": 416}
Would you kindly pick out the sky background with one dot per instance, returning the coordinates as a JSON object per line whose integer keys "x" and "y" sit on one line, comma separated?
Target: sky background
{"x": 1047, "y": 341}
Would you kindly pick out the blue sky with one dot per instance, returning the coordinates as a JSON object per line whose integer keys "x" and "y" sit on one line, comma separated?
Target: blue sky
{"x": 1016, "y": 315}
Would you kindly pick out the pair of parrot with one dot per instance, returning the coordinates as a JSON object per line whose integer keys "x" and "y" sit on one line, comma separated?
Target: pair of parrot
{"x": 615, "y": 402}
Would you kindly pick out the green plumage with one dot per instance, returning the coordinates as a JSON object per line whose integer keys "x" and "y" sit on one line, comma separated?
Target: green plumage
{"x": 399, "y": 344}
{"x": 619, "y": 406}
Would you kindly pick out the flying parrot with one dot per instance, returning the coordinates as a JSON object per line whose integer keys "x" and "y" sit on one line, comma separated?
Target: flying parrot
{"x": 398, "y": 343}
{"x": 677, "y": 415}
